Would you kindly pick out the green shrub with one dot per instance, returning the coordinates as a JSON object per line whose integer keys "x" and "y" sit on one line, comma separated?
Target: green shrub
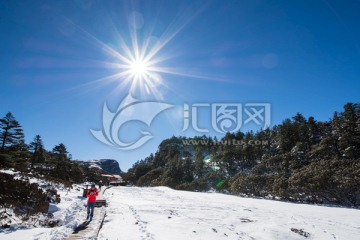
{"x": 24, "y": 197}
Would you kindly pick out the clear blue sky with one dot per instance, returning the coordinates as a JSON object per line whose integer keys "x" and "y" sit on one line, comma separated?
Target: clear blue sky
{"x": 299, "y": 56}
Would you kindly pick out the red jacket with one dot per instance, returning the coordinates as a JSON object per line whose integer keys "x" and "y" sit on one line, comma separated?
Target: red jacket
{"x": 92, "y": 193}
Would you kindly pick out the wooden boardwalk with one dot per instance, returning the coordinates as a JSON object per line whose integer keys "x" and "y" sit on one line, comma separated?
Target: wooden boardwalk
{"x": 87, "y": 230}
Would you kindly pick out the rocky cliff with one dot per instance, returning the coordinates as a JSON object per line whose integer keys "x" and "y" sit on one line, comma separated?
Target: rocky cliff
{"x": 109, "y": 165}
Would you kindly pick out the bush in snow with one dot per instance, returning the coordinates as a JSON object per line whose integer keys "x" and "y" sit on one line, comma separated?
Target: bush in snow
{"x": 24, "y": 198}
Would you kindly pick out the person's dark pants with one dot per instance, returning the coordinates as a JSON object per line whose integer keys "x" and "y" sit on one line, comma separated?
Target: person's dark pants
{"x": 90, "y": 209}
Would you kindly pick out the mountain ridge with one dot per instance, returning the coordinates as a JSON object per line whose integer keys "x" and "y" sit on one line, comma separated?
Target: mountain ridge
{"x": 108, "y": 165}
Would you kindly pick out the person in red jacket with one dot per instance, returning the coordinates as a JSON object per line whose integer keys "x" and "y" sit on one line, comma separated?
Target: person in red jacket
{"x": 92, "y": 193}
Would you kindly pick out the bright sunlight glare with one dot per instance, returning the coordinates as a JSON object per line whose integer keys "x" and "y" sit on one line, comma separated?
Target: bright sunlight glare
{"x": 139, "y": 67}
{"x": 138, "y": 63}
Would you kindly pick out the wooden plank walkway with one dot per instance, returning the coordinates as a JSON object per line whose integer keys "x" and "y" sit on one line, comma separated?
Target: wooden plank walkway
{"x": 91, "y": 229}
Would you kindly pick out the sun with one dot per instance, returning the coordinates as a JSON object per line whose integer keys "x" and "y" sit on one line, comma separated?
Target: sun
{"x": 139, "y": 63}
{"x": 139, "y": 68}
{"x": 140, "y": 71}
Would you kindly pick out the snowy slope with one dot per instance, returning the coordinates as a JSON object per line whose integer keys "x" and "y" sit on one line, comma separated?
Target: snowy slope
{"x": 70, "y": 212}
{"x": 161, "y": 214}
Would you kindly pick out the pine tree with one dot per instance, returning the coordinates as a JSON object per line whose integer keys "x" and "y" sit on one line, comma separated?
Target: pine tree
{"x": 247, "y": 156}
{"x": 314, "y": 131}
{"x": 61, "y": 151}
{"x": 37, "y": 148}
{"x": 188, "y": 170}
{"x": 199, "y": 162}
{"x": 173, "y": 173}
{"x": 11, "y": 133}
{"x": 288, "y": 136}
{"x": 349, "y": 141}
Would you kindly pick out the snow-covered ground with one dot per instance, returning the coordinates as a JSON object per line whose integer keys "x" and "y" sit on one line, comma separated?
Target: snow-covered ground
{"x": 70, "y": 212}
{"x": 161, "y": 213}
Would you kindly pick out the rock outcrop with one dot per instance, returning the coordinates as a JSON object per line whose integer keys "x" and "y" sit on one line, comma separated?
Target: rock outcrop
{"x": 108, "y": 165}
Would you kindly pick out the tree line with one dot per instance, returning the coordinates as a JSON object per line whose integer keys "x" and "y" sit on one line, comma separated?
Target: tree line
{"x": 33, "y": 157}
{"x": 301, "y": 160}
{"x": 33, "y": 160}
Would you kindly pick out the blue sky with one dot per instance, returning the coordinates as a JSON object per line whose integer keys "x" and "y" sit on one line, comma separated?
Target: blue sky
{"x": 299, "y": 56}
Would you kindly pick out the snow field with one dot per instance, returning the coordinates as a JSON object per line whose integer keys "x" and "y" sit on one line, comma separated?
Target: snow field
{"x": 161, "y": 213}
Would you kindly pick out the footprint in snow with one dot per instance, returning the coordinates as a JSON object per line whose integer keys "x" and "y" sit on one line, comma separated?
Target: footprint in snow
{"x": 246, "y": 220}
